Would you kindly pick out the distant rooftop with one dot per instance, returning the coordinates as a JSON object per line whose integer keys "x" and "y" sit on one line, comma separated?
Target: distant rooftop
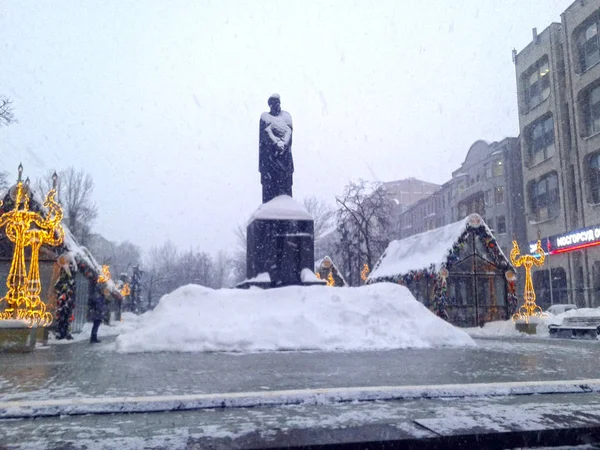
{"x": 410, "y": 190}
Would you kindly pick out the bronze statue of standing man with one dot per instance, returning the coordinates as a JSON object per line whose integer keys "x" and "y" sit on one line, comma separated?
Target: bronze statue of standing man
{"x": 275, "y": 162}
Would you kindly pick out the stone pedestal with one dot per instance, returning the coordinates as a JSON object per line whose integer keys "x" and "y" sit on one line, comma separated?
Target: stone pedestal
{"x": 529, "y": 328}
{"x": 16, "y": 337}
{"x": 42, "y": 335}
{"x": 280, "y": 243}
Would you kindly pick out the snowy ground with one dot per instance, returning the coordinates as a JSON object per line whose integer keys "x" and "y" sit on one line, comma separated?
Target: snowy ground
{"x": 507, "y": 328}
{"x": 382, "y": 316}
{"x": 428, "y": 419}
{"x": 129, "y": 322}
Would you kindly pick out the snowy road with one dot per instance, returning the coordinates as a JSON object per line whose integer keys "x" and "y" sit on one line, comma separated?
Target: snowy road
{"x": 500, "y": 422}
{"x": 79, "y": 370}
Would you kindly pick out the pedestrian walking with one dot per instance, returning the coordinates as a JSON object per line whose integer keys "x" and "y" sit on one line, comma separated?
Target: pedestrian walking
{"x": 97, "y": 315}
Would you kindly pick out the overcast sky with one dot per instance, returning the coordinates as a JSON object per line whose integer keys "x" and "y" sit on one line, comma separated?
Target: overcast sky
{"x": 160, "y": 100}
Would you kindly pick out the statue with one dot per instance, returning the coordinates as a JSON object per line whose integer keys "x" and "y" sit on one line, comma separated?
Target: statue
{"x": 275, "y": 162}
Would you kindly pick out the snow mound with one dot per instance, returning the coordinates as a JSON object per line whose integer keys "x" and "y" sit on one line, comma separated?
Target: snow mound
{"x": 507, "y": 328}
{"x": 377, "y": 317}
{"x": 499, "y": 328}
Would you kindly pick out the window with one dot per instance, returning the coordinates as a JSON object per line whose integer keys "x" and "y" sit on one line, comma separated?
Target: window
{"x": 490, "y": 222}
{"x": 487, "y": 195}
{"x": 501, "y": 224}
{"x": 498, "y": 168}
{"x": 593, "y": 174}
{"x": 551, "y": 287}
{"x": 541, "y": 140}
{"x": 543, "y": 194}
{"x": 537, "y": 83}
{"x": 592, "y": 111}
{"x": 488, "y": 170}
{"x": 587, "y": 46}
{"x": 499, "y": 195}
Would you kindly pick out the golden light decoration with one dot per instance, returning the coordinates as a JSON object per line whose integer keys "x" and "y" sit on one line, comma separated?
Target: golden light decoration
{"x": 330, "y": 280}
{"x": 529, "y": 308}
{"x": 27, "y": 228}
{"x": 511, "y": 276}
{"x": 105, "y": 276}
{"x": 125, "y": 290}
{"x": 365, "y": 272}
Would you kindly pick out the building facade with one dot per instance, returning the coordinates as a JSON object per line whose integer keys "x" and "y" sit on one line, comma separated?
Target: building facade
{"x": 558, "y": 90}
{"x": 488, "y": 182}
{"x": 409, "y": 191}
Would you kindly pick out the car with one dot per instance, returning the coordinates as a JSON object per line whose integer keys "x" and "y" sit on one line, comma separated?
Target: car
{"x": 560, "y": 308}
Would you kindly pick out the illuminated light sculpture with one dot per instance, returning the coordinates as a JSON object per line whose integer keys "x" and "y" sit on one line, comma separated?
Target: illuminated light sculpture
{"x": 105, "y": 276}
{"x": 125, "y": 290}
{"x": 529, "y": 308}
{"x": 365, "y": 272}
{"x": 29, "y": 228}
{"x": 330, "y": 280}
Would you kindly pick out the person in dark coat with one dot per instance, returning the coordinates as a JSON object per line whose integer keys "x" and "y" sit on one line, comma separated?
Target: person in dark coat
{"x": 97, "y": 315}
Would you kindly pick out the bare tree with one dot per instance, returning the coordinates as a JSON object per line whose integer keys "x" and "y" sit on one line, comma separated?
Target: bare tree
{"x": 363, "y": 221}
{"x": 322, "y": 214}
{"x": 126, "y": 255}
{"x": 75, "y": 188}
{"x": 222, "y": 270}
{"x": 4, "y": 183}
{"x": 238, "y": 259}
{"x": 120, "y": 257}
{"x": 6, "y": 113}
{"x": 160, "y": 263}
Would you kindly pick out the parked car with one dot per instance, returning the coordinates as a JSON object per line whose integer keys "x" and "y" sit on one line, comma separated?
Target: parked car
{"x": 560, "y": 308}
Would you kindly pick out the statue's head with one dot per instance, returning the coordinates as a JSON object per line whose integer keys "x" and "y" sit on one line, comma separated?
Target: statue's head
{"x": 274, "y": 103}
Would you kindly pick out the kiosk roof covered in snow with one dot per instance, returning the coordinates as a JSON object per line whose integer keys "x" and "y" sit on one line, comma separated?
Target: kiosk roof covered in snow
{"x": 459, "y": 270}
{"x": 435, "y": 249}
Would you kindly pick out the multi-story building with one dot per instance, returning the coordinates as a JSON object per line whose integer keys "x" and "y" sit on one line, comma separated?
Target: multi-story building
{"x": 488, "y": 183}
{"x": 409, "y": 191}
{"x": 558, "y": 88}
{"x": 426, "y": 214}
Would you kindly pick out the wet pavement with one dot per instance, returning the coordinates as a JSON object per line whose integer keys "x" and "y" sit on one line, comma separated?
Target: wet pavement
{"x": 81, "y": 370}
{"x": 84, "y": 370}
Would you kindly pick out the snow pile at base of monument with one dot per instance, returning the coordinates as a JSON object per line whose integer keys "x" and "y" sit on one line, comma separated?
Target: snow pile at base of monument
{"x": 382, "y": 316}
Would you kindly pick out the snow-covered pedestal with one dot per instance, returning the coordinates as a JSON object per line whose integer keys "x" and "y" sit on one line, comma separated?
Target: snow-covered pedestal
{"x": 16, "y": 336}
{"x": 526, "y": 327}
{"x": 280, "y": 243}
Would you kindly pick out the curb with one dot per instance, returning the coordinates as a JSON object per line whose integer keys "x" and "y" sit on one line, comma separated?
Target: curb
{"x": 111, "y": 405}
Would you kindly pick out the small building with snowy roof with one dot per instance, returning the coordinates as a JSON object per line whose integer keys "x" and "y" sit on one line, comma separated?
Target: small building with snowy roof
{"x": 457, "y": 270}
{"x": 324, "y": 267}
